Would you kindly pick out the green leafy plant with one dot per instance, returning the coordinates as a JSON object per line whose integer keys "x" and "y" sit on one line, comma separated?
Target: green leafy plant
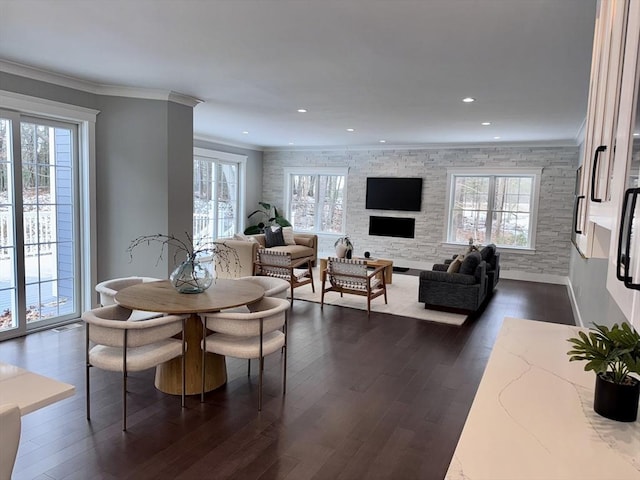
{"x": 610, "y": 352}
{"x": 270, "y": 214}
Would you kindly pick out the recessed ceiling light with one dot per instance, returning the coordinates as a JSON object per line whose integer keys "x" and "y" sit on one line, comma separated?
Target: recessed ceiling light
{"x": 496, "y": 138}
{"x": 245, "y": 132}
{"x": 290, "y": 143}
{"x": 468, "y": 99}
{"x": 636, "y": 134}
{"x": 302, "y": 110}
{"x": 485, "y": 123}
{"x": 382, "y": 141}
{"x": 351, "y": 129}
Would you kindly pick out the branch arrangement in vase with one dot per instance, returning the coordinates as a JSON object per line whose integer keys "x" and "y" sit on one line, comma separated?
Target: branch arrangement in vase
{"x": 190, "y": 276}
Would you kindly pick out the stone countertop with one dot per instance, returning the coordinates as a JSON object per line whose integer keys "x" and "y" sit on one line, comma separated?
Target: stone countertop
{"x": 532, "y": 416}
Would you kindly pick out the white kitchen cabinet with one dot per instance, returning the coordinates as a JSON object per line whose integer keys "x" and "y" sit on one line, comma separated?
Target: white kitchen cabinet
{"x": 596, "y": 202}
{"x": 623, "y": 275}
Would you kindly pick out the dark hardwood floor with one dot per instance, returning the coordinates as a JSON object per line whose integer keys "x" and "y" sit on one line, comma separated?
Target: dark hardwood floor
{"x": 380, "y": 398}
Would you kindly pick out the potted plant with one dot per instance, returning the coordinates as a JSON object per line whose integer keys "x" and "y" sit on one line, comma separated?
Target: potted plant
{"x": 613, "y": 354}
{"x": 270, "y": 214}
{"x": 344, "y": 247}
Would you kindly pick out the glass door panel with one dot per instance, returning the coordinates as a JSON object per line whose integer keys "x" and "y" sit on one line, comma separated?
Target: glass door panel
{"x": 8, "y": 297}
{"x": 38, "y": 225}
{"x": 49, "y": 219}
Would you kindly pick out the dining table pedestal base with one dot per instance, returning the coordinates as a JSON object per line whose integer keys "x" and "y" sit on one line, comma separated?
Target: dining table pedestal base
{"x": 169, "y": 374}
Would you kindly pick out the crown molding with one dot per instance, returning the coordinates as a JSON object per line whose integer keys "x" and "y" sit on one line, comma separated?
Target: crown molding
{"x": 581, "y": 131}
{"x": 96, "y": 88}
{"x": 426, "y": 146}
{"x": 228, "y": 143}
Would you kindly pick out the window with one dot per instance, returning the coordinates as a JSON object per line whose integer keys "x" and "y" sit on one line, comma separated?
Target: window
{"x": 496, "y": 207}
{"x": 218, "y": 179}
{"x": 316, "y": 201}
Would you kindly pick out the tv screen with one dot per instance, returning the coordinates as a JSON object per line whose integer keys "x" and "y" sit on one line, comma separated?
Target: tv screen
{"x": 394, "y": 193}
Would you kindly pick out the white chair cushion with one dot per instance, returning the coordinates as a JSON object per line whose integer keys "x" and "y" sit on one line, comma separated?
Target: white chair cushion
{"x": 244, "y": 347}
{"x": 139, "y": 358}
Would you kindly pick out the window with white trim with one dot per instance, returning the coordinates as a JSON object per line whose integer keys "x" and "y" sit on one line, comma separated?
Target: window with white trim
{"x": 493, "y": 207}
{"x": 315, "y": 199}
{"x": 218, "y": 183}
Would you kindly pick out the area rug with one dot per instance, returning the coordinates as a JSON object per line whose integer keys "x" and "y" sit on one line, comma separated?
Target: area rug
{"x": 402, "y": 297}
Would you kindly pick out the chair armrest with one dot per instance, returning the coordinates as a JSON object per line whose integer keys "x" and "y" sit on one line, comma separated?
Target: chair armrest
{"x": 457, "y": 278}
{"x": 376, "y": 270}
{"x": 439, "y": 267}
{"x": 301, "y": 261}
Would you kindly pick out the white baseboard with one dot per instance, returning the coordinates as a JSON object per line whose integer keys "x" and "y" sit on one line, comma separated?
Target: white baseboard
{"x": 574, "y": 304}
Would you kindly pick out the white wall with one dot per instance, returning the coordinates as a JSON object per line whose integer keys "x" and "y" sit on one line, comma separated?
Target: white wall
{"x": 551, "y": 256}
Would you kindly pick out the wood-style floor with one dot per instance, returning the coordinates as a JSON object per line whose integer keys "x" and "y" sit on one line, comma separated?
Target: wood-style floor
{"x": 384, "y": 397}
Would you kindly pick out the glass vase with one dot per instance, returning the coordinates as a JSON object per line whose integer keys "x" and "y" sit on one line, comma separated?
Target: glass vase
{"x": 191, "y": 277}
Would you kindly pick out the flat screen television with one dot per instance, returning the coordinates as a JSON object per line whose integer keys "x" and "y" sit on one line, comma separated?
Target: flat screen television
{"x": 394, "y": 193}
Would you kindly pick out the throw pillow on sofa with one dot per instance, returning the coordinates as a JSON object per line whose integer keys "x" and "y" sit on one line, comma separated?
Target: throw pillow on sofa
{"x": 454, "y": 266}
{"x": 273, "y": 238}
{"x": 470, "y": 263}
{"x": 287, "y": 234}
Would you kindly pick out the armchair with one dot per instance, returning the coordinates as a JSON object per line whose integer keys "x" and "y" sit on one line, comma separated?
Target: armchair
{"x": 272, "y": 263}
{"x": 352, "y": 276}
{"x": 463, "y": 290}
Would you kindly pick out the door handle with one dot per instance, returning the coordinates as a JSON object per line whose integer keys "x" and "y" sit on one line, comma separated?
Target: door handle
{"x": 594, "y": 171}
{"x": 576, "y": 205}
{"x": 623, "y": 260}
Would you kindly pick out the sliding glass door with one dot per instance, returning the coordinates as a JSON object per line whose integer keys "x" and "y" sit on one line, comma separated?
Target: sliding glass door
{"x": 38, "y": 223}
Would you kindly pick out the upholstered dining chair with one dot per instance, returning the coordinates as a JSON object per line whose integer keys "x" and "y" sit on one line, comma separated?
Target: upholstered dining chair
{"x": 109, "y": 288}
{"x": 10, "y": 425}
{"x": 280, "y": 265}
{"x": 273, "y": 287}
{"x": 353, "y": 277}
{"x": 249, "y": 335}
{"x": 115, "y": 343}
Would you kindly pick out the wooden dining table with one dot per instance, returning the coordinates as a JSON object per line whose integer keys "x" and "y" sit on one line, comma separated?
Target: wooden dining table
{"x": 162, "y": 297}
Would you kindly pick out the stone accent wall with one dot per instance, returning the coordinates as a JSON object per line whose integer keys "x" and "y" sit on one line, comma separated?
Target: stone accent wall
{"x": 555, "y": 208}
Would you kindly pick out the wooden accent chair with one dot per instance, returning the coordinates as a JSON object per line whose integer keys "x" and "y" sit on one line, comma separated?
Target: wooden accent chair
{"x": 115, "y": 343}
{"x": 352, "y": 276}
{"x": 253, "y": 334}
{"x": 280, "y": 265}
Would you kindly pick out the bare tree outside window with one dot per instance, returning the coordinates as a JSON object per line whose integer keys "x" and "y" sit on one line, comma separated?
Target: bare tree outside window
{"x": 492, "y": 209}
{"x": 316, "y": 203}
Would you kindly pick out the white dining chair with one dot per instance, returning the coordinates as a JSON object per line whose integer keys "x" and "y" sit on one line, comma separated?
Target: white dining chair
{"x": 10, "y": 426}
{"x": 108, "y": 289}
{"x": 113, "y": 343}
{"x": 249, "y": 335}
{"x": 273, "y": 287}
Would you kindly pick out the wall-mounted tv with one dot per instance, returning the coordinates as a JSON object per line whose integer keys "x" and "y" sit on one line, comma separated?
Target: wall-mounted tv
{"x": 394, "y": 193}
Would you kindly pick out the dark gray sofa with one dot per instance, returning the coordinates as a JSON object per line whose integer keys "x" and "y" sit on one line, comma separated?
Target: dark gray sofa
{"x": 489, "y": 254}
{"x": 465, "y": 290}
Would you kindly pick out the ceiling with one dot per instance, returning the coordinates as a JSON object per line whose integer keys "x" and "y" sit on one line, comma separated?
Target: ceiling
{"x": 393, "y": 70}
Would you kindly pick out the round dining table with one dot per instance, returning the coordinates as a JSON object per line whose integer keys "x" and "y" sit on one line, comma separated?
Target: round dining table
{"x": 162, "y": 297}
